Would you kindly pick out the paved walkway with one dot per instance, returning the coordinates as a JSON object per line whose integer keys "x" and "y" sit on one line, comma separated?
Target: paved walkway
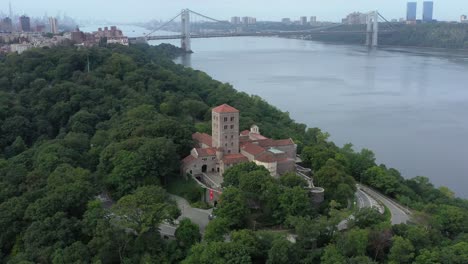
{"x": 197, "y": 216}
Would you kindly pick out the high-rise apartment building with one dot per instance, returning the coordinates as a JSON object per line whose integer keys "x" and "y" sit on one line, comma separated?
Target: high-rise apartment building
{"x": 303, "y": 20}
{"x": 6, "y": 25}
{"x": 355, "y": 18}
{"x": 428, "y": 10}
{"x": 313, "y": 19}
{"x": 463, "y": 19}
{"x": 25, "y": 24}
{"x": 245, "y": 20}
{"x": 411, "y": 8}
{"x": 249, "y": 20}
{"x": 53, "y": 25}
{"x": 235, "y": 20}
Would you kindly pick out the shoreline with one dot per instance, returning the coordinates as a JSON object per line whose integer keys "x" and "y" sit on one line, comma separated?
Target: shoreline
{"x": 384, "y": 46}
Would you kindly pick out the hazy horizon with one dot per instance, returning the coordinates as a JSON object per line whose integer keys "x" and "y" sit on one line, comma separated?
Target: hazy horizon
{"x": 125, "y": 11}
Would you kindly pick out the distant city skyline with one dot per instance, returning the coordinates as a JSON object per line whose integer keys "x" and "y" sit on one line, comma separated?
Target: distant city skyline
{"x": 141, "y": 10}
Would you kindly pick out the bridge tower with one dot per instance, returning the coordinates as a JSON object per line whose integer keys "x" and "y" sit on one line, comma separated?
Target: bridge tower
{"x": 372, "y": 34}
{"x": 185, "y": 41}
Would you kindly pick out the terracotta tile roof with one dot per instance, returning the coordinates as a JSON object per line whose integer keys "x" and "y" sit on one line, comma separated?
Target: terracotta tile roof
{"x": 225, "y": 109}
{"x": 205, "y": 152}
{"x": 276, "y": 143}
{"x": 203, "y": 138}
{"x": 234, "y": 159}
{"x": 284, "y": 142}
{"x": 245, "y": 133}
{"x": 266, "y": 143}
{"x": 255, "y": 136}
{"x": 187, "y": 160}
{"x": 252, "y": 148}
{"x": 266, "y": 157}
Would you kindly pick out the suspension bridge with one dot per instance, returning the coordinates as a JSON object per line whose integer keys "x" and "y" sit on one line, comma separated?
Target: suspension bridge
{"x": 190, "y": 28}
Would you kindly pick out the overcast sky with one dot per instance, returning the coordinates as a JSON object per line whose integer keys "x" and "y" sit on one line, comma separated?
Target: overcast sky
{"x": 144, "y": 10}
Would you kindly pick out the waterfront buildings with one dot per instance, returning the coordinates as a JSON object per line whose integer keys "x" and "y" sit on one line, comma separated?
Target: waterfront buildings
{"x": 355, "y": 18}
{"x": 313, "y": 19}
{"x": 25, "y": 24}
{"x": 303, "y": 20}
{"x": 118, "y": 40}
{"x": 286, "y": 20}
{"x": 428, "y": 10}
{"x": 249, "y": 20}
{"x": 112, "y": 35}
{"x": 411, "y": 9}
{"x": 235, "y": 20}
{"x": 21, "y": 41}
{"x": 463, "y": 19}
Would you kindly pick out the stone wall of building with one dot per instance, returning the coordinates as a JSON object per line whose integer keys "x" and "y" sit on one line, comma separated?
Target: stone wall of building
{"x": 290, "y": 150}
{"x": 286, "y": 166}
{"x": 248, "y": 155}
{"x": 271, "y": 167}
{"x": 198, "y": 165}
{"x": 225, "y": 132}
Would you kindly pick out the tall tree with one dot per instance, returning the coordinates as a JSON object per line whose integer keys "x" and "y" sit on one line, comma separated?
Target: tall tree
{"x": 144, "y": 210}
{"x": 187, "y": 234}
{"x": 402, "y": 251}
{"x": 233, "y": 206}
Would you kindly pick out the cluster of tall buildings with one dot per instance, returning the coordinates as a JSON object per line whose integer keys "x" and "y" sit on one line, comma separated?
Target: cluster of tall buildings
{"x": 302, "y": 20}
{"x": 21, "y": 33}
{"x": 24, "y": 24}
{"x": 411, "y": 12}
{"x": 355, "y": 18}
{"x": 243, "y": 20}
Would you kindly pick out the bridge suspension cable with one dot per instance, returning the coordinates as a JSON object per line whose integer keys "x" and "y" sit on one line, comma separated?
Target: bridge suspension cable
{"x": 165, "y": 24}
{"x": 388, "y": 22}
{"x": 209, "y": 18}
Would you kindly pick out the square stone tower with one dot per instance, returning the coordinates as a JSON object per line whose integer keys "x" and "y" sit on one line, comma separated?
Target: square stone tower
{"x": 225, "y": 128}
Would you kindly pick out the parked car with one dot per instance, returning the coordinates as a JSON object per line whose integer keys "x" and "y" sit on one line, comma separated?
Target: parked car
{"x": 211, "y": 216}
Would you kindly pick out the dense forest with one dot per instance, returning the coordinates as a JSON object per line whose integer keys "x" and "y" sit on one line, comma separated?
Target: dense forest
{"x": 432, "y": 35}
{"x": 68, "y": 135}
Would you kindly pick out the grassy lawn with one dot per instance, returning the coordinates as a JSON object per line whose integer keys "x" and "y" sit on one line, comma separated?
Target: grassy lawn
{"x": 189, "y": 190}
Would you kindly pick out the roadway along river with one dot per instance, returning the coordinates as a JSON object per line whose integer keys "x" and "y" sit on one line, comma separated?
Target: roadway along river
{"x": 410, "y": 106}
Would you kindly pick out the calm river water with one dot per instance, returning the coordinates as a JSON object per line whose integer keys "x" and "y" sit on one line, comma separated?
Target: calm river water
{"x": 410, "y": 106}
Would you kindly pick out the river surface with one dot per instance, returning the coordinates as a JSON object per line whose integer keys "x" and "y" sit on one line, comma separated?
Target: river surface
{"x": 410, "y": 106}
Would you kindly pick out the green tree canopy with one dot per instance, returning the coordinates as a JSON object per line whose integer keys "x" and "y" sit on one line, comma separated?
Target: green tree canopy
{"x": 233, "y": 206}
{"x": 187, "y": 233}
{"x": 144, "y": 210}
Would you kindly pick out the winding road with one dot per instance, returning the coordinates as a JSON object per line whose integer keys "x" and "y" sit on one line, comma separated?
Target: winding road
{"x": 365, "y": 195}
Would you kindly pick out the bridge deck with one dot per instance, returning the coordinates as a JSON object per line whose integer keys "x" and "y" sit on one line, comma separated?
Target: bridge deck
{"x": 257, "y": 34}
